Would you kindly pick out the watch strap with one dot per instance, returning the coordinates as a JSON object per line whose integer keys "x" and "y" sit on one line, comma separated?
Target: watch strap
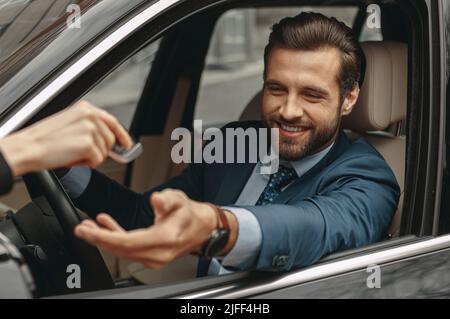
{"x": 222, "y": 220}
{"x": 218, "y": 238}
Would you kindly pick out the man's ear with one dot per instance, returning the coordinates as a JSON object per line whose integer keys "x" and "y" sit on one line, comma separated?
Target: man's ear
{"x": 350, "y": 101}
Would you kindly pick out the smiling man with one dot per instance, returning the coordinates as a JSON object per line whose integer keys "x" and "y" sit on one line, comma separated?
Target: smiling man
{"x": 329, "y": 194}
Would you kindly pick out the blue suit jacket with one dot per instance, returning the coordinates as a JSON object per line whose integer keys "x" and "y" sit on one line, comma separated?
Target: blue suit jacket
{"x": 345, "y": 201}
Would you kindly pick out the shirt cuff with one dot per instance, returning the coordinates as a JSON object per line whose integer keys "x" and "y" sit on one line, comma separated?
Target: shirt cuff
{"x": 76, "y": 181}
{"x": 248, "y": 244}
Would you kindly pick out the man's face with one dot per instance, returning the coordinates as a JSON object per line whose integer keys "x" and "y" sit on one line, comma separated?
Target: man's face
{"x": 301, "y": 99}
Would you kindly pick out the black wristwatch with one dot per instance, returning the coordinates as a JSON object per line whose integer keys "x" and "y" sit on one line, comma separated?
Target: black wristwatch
{"x": 218, "y": 238}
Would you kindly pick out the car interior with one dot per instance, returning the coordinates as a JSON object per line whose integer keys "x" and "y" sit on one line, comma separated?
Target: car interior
{"x": 384, "y": 85}
{"x": 173, "y": 82}
{"x": 386, "y": 71}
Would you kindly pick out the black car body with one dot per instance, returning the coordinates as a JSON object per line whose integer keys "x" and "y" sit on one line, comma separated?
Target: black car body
{"x": 58, "y": 65}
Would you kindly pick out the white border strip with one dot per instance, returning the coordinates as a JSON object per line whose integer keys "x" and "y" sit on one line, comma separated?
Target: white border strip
{"x": 332, "y": 269}
{"x": 33, "y": 106}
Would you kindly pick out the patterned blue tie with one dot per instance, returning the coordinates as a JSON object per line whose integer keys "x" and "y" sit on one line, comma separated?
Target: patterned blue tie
{"x": 277, "y": 181}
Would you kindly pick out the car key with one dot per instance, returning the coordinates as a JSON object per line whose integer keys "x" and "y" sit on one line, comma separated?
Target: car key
{"x": 121, "y": 155}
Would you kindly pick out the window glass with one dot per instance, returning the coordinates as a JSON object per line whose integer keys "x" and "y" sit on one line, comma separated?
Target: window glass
{"x": 119, "y": 93}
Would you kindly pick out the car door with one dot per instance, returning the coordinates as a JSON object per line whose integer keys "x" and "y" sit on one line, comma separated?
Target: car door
{"x": 142, "y": 26}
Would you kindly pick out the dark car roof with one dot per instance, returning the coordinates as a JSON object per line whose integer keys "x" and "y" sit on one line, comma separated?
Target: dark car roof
{"x": 48, "y": 43}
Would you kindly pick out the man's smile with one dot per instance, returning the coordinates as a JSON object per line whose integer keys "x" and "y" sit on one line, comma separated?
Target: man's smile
{"x": 291, "y": 130}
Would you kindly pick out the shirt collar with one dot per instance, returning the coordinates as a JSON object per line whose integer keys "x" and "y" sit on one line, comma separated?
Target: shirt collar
{"x": 304, "y": 164}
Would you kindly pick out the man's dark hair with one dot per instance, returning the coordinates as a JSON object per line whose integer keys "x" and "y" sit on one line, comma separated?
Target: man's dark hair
{"x": 311, "y": 31}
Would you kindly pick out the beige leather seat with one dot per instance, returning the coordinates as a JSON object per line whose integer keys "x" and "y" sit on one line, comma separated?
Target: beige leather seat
{"x": 381, "y": 104}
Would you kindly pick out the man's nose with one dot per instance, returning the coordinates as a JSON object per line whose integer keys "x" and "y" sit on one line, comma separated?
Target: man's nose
{"x": 291, "y": 108}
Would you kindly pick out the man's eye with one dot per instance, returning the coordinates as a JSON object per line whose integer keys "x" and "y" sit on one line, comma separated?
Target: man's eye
{"x": 313, "y": 96}
{"x": 275, "y": 88}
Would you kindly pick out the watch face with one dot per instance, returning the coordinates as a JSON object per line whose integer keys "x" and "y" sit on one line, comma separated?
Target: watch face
{"x": 216, "y": 242}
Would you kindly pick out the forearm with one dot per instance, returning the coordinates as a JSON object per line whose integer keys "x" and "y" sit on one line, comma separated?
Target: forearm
{"x": 299, "y": 235}
{"x": 245, "y": 246}
{"x": 21, "y": 153}
{"x": 293, "y": 236}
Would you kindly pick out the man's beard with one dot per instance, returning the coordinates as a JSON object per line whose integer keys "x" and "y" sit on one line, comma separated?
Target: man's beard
{"x": 291, "y": 149}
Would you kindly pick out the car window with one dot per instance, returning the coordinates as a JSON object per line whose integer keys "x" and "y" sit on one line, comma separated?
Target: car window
{"x": 120, "y": 91}
{"x": 232, "y": 75}
{"x": 235, "y": 59}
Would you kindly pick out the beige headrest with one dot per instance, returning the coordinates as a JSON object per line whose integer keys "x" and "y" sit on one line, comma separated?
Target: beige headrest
{"x": 383, "y": 96}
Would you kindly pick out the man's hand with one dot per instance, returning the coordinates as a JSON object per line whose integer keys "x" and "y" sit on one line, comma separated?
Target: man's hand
{"x": 181, "y": 227}
{"x": 80, "y": 135}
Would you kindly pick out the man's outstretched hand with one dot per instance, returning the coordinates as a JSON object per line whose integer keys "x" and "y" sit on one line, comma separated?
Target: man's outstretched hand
{"x": 181, "y": 226}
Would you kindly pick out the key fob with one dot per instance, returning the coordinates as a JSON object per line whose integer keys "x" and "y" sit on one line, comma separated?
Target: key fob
{"x": 121, "y": 155}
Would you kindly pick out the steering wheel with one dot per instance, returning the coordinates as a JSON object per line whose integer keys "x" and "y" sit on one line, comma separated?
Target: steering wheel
{"x": 94, "y": 273}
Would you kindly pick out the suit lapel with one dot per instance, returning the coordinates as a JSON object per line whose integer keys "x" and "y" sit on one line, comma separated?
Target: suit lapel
{"x": 234, "y": 180}
{"x": 235, "y": 176}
